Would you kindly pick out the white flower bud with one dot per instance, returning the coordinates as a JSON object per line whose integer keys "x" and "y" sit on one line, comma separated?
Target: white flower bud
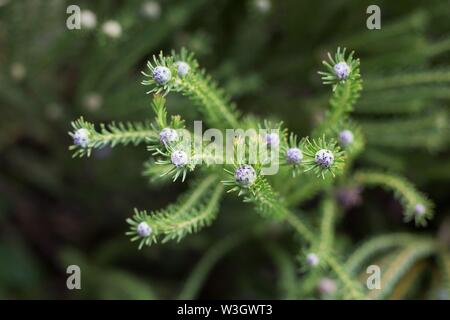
{"x": 419, "y": 209}
{"x": 112, "y": 29}
{"x": 143, "y": 229}
{"x": 342, "y": 70}
{"x": 273, "y": 139}
{"x": 324, "y": 158}
{"x": 182, "y": 68}
{"x": 151, "y": 9}
{"x": 168, "y": 135}
{"x": 162, "y": 75}
{"x": 327, "y": 286}
{"x": 18, "y": 71}
{"x": 294, "y": 156}
{"x": 88, "y": 19}
{"x": 312, "y": 259}
{"x": 179, "y": 158}
{"x": 245, "y": 175}
{"x": 81, "y": 137}
{"x": 93, "y": 101}
{"x": 346, "y": 137}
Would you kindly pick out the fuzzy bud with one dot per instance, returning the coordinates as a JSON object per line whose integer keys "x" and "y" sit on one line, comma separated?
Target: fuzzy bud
{"x": 93, "y": 101}
{"x": 349, "y": 197}
{"x": 324, "y": 158}
{"x": 419, "y": 209}
{"x": 182, "y": 68}
{"x": 81, "y": 137}
{"x": 342, "y": 70}
{"x": 18, "y": 71}
{"x": 112, "y": 29}
{"x": 143, "y": 229}
{"x": 88, "y": 19}
{"x": 179, "y": 158}
{"x": 161, "y": 75}
{"x": 245, "y": 175}
{"x": 168, "y": 135}
{"x": 272, "y": 139}
{"x": 312, "y": 259}
{"x": 294, "y": 156}
{"x": 151, "y": 9}
{"x": 346, "y": 137}
{"x": 263, "y": 6}
{"x": 327, "y": 286}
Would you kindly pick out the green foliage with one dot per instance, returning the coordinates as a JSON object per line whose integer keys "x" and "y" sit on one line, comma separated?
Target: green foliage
{"x": 197, "y": 86}
{"x": 110, "y": 135}
{"x": 193, "y": 211}
{"x": 198, "y": 207}
{"x": 404, "y": 191}
{"x": 345, "y": 91}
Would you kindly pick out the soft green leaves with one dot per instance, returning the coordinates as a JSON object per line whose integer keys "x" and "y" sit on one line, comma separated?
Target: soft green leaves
{"x": 416, "y": 206}
{"x": 193, "y": 211}
{"x": 197, "y": 86}
{"x": 110, "y": 135}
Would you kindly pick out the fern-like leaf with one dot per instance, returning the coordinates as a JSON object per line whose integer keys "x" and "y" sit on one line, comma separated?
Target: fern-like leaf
{"x": 195, "y": 210}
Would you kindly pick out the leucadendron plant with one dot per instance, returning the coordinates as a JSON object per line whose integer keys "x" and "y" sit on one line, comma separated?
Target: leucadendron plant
{"x": 306, "y": 167}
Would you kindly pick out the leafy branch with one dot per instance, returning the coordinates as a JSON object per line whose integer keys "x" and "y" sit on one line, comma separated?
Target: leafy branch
{"x": 109, "y": 135}
{"x": 193, "y": 211}
{"x": 416, "y": 205}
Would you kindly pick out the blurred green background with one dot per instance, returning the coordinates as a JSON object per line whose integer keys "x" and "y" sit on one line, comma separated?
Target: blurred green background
{"x": 56, "y": 211}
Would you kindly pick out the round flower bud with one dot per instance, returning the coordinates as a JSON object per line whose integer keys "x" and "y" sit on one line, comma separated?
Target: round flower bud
{"x": 324, "y": 158}
{"x": 245, "y": 175}
{"x": 182, "y": 68}
{"x": 419, "y": 209}
{"x": 263, "y": 6}
{"x": 88, "y": 19}
{"x": 312, "y": 259}
{"x": 93, "y": 101}
{"x": 272, "y": 139}
{"x": 342, "y": 70}
{"x": 18, "y": 71}
{"x": 151, "y": 9}
{"x": 81, "y": 137}
{"x": 143, "y": 229}
{"x": 112, "y": 29}
{"x": 346, "y": 137}
{"x": 327, "y": 286}
{"x": 161, "y": 74}
{"x": 168, "y": 135}
{"x": 294, "y": 155}
{"x": 179, "y": 158}
{"x": 349, "y": 197}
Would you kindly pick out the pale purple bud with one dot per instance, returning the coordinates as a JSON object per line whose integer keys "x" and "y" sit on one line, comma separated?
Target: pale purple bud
{"x": 179, "y": 158}
{"x": 346, "y": 137}
{"x": 168, "y": 135}
{"x": 327, "y": 286}
{"x": 161, "y": 75}
{"x": 182, "y": 68}
{"x": 419, "y": 209}
{"x": 324, "y": 158}
{"x": 294, "y": 155}
{"x": 143, "y": 229}
{"x": 272, "y": 139}
{"x": 342, "y": 70}
{"x": 312, "y": 259}
{"x": 245, "y": 175}
{"x": 81, "y": 137}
